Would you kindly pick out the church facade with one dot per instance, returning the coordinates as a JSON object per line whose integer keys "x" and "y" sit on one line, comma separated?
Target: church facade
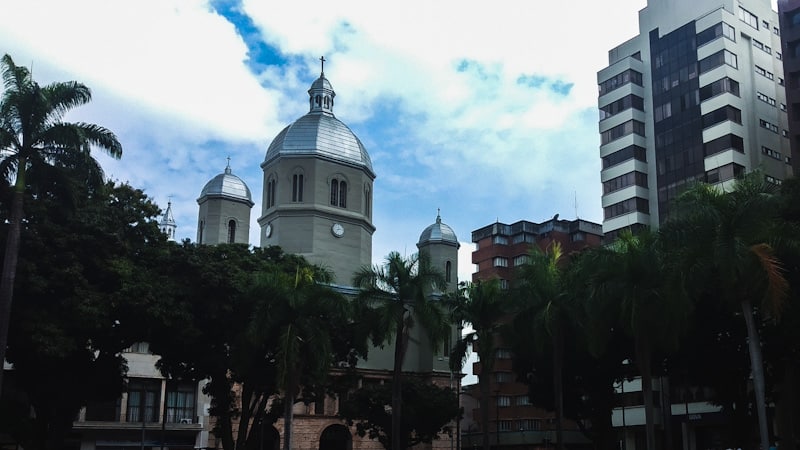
{"x": 317, "y": 202}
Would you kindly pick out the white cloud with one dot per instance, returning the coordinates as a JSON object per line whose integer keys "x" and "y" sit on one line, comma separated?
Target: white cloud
{"x": 171, "y": 78}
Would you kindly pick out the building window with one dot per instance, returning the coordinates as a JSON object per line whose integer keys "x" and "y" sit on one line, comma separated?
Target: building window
{"x": 271, "y": 193}
{"x": 771, "y": 153}
{"x": 500, "y": 261}
{"x": 367, "y": 201}
{"x": 720, "y": 144}
{"x": 505, "y": 425}
{"x": 503, "y": 401}
{"x": 772, "y": 180}
{"x": 521, "y": 260}
{"x": 339, "y": 193}
{"x": 768, "y": 125}
{"x": 723, "y": 114}
{"x": 448, "y": 271}
{"x": 779, "y": 56}
{"x": 619, "y": 80}
{"x": 139, "y": 347}
{"x": 504, "y": 284}
{"x": 635, "y": 204}
{"x": 623, "y": 104}
{"x": 231, "y": 231}
{"x": 719, "y": 87}
{"x": 334, "y": 192}
{"x": 530, "y": 424}
{"x": 714, "y": 32}
{"x": 623, "y": 181}
{"x": 343, "y": 194}
{"x": 523, "y": 400}
{"x": 764, "y": 72}
{"x": 502, "y": 353}
{"x": 297, "y": 187}
{"x": 623, "y": 129}
{"x": 765, "y": 98}
{"x": 503, "y": 377}
{"x": 718, "y": 59}
{"x": 748, "y": 17}
{"x": 200, "y": 232}
{"x": 181, "y": 402}
{"x": 143, "y": 400}
{"x": 724, "y": 173}
{"x": 630, "y": 152}
{"x": 500, "y": 240}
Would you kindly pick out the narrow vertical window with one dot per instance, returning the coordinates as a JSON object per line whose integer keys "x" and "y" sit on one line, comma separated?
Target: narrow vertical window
{"x": 334, "y": 192}
{"x": 343, "y": 194}
{"x": 297, "y": 187}
{"x": 231, "y": 231}
{"x": 367, "y": 202}
{"x": 448, "y": 269}
{"x": 200, "y": 233}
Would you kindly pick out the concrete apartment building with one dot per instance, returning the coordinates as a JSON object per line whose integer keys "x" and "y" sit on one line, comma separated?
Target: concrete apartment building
{"x": 500, "y": 249}
{"x": 697, "y": 95}
{"x": 789, "y": 18}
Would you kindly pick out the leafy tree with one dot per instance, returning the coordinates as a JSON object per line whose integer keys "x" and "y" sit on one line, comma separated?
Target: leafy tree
{"x": 302, "y": 314}
{"x": 74, "y": 316}
{"x": 399, "y": 291}
{"x": 632, "y": 288}
{"x": 428, "y": 411}
{"x": 730, "y": 243}
{"x": 483, "y": 306}
{"x": 202, "y": 332}
{"x": 34, "y": 138}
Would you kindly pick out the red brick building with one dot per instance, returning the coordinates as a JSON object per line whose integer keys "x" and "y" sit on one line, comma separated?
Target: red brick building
{"x": 515, "y": 422}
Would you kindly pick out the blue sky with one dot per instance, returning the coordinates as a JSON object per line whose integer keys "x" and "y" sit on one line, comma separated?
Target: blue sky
{"x": 484, "y": 110}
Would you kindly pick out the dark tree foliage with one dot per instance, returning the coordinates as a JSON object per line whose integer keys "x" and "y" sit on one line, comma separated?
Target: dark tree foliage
{"x": 428, "y": 412}
{"x": 205, "y": 331}
{"x": 72, "y": 317}
{"x": 588, "y": 382}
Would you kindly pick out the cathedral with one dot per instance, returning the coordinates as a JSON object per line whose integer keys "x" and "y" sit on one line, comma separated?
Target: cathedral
{"x": 317, "y": 201}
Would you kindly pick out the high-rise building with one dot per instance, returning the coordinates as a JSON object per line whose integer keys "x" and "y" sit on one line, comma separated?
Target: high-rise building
{"x": 697, "y": 95}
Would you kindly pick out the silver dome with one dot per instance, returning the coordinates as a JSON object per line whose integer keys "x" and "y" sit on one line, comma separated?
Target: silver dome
{"x": 319, "y": 133}
{"x": 438, "y": 233}
{"x": 227, "y": 185}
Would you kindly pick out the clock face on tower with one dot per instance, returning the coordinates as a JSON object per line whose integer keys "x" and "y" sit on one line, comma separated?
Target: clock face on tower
{"x": 337, "y": 229}
{"x": 268, "y": 230}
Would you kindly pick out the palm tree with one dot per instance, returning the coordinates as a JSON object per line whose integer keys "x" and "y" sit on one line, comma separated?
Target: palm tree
{"x": 34, "y": 137}
{"x": 729, "y": 242}
{"x": 631, "y": 278}
{"x": 298, "y": 313}
{"x": 400, "y": 292}
{"x": 546, "y": 310}
{"x": 483, "y": 306}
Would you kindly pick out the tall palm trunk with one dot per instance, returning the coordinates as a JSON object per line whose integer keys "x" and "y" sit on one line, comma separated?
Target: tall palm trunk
{"x": 288, "y": 416}
{"x": 10, "y": 259}
{"x": 401, "y": 342}
{"x": 757, "y": 367}
{"x": 483, "y": 383}
{"x": 558, "y": 383}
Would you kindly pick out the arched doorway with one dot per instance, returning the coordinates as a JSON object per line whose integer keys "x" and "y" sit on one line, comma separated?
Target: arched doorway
{"x": 269, "y": 438}
{"x": 336, "y": 437}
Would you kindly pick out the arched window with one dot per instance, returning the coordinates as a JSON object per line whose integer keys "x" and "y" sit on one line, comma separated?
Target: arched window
{"x": 271, "y": 193}
{"x": 231, "y": 231}
{"x": 334, "y": 192}
{"x": 448, "y": 269}
{"x": 297, "y": 187}
{"x": 343, "y": 194}
{"x": 317, "y": 99}
{"x": 367, "y": 200}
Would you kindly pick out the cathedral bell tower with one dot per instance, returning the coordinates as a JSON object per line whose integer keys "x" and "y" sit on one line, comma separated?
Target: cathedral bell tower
{"x": 317, "y": 198}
